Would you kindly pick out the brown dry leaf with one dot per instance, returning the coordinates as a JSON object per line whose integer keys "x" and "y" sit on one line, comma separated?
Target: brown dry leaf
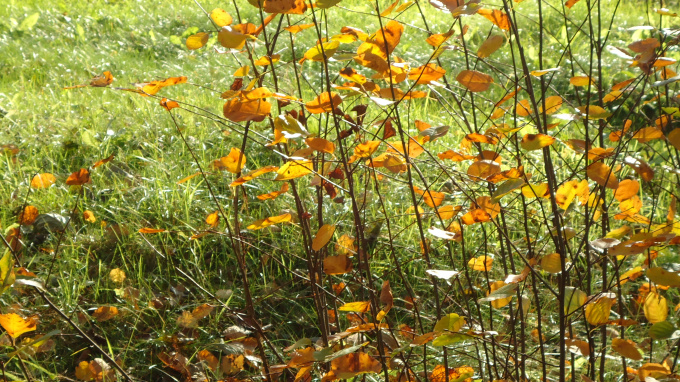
{"x": 175, "y": 361}
{"x": 323, "y": 236}
{"x": 602, "y": 175}
{"x": 43, "y": 180}
{"x": 105, "y": 313}
{"x": 232, "y": 364}
{"x": 474, "y": 81}
{"x": 28, "y": 215}
{"x": 209, "y": 358}
{"x": 337, "y": 265}
{"x": 78, "y": 178}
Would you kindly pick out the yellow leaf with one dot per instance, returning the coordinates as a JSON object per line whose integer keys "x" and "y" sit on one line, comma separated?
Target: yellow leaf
{"x": 197, "y": 41}
{"x": 89, "y": 217}
{"x": 536, "y": 141}
{"x": 221, "y": 17}
{"x": 117, "y": 275}
{"x": 232, "y": 39}
{"x": 581, "y": 81}
{"x": 366, "y": 149}
{"x": 323, "y": 236}
{"x": 43, "y": 180}
{"x": 242, "y": 71}
{"x": 317, "y": 53}
{"x": 660, "y": 276}
{"x": 358, "y": 307}
{"x": 481, "y": 263}
{"x": 16, "y": 325}
{"x": 551, "y": 263}
{"x": 597, "y": 312}
{"x": 655, "y": 307}
{"x": 294, "y": 169}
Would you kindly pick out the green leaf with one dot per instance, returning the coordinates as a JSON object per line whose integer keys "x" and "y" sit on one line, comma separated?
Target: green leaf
{"x": 661, "y": 330}
{"x": 505, "y": 188}
{"x": 29, "y": 22}
{"x": 6, "y": 271}
{"x": 448, "y": 339}
{"x": 323, "y": 4}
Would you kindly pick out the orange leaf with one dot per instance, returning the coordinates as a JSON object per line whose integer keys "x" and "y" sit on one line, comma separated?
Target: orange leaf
{"x": 43, "y": 180}
{"x": 474, "y": 81}
{"x": 602, "y": 175}
{"x": 320, "y": 144}
{"x": 151, "y": 230}
{"x": 323, "y": 236}
{"x": 262, "y": 223}
{"x": 78, "y": 178}
{"x": 234, "y": 162}
{"x": 497, "y": 17}
{"x": 105, "y": 313}
{"x": 28, "y": 215}
{"x": 324, "y": 103}
{"x": 168, "y": 105}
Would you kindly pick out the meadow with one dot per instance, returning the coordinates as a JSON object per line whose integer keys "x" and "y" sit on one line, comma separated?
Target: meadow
{"x": 412, "y": 191}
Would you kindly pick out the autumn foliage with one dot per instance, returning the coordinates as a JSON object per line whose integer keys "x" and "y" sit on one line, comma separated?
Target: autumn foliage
{"x": 476, "y": 210}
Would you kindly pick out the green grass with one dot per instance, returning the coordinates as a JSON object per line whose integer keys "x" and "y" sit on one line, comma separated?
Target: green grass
{"x": 59, "y": 131}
